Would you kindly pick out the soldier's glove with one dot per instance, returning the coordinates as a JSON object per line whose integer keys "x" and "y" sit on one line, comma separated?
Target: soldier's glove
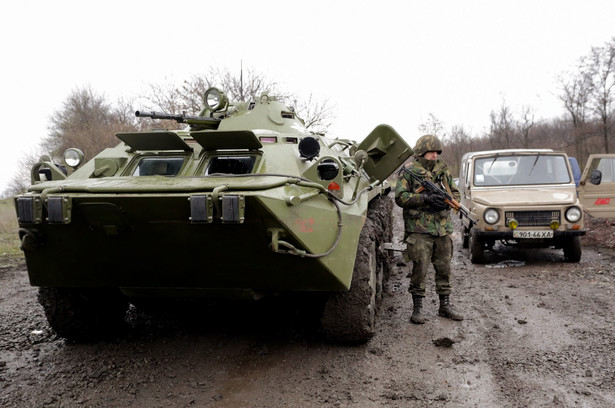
{"x": 435, "y": 202}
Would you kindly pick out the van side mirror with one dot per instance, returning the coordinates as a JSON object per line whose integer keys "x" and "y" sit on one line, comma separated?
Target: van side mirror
{"x": 596, "y": 177}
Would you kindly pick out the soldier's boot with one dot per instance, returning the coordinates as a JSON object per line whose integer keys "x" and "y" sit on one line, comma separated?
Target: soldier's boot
{"x": 446, "y": 310}
{"x": 417, "y": 317}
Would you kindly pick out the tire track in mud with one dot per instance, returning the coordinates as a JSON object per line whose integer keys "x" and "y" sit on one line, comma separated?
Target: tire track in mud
{"x": 532, "y": 320}
{"x": 537, "y": 335}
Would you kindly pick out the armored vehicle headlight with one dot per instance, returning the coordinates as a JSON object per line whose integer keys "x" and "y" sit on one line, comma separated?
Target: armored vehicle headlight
{"x": 328, "y": 169}
{"x": 573, "y": 214}
{"x": 73, "y": 157}
{"x": 491, "y": 216}
{"x": 309, "y": 147}
{"x": 214, "y": 99}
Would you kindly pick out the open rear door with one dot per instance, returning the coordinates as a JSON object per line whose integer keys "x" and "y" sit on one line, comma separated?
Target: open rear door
{"x": 597, "y": 186}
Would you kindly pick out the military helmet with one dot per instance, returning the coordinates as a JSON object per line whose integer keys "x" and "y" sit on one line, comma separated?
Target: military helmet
{"x": 427, "y": 143}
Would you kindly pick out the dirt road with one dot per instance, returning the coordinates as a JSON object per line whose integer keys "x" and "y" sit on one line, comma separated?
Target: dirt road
{"x": 537, "y": 335}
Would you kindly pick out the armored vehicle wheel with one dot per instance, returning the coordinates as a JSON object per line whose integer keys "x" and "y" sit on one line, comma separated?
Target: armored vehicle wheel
{"x": 83, "y": 314}
{"x": 477, "y": 248}
{"x": 349, "y": 317}
{"x": 572, "y": 250}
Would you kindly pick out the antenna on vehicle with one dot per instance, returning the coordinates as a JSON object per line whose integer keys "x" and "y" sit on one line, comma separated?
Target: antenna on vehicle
{"x": 241, "y": 80}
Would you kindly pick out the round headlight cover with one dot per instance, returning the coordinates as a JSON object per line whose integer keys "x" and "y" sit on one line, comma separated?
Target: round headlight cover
{"x": 328, "y": 169}
{"x": 573, "y": 214}
{"x": 73, "y": 157}
{"x": 491, "y": 216}
{"x": 309, "y": 147}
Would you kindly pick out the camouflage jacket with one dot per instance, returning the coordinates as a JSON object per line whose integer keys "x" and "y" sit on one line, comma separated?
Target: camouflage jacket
{"x": 417, "y": 217}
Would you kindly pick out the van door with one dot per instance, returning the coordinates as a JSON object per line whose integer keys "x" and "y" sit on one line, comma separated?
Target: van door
{"x": 597, "y": 187}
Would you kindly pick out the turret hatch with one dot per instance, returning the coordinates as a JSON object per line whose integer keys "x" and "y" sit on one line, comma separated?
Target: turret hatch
{"x": 228, "y": 140}
{"x": 153, "y": 141}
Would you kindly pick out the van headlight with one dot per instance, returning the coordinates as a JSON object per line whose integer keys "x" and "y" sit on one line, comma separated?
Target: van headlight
{"x": 491, "y": 216}
{"x": 573, "y": 214}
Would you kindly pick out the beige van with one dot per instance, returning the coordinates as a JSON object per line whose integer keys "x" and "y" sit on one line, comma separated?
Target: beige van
{"x": 529, "y": 198}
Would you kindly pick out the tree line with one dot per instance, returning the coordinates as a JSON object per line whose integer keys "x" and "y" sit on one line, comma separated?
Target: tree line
{"x": 587, "y": 125}
{"x": 87, "y": 120}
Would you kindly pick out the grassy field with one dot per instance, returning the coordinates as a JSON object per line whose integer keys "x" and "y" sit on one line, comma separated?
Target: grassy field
{"x": 9, "y": 238}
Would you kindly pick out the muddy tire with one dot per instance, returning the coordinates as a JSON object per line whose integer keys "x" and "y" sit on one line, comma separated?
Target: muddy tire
{"x": 477, "y": 248}
{"x": 572, "y": 250}
{"x": 82, "y": 315}
{"x": 349, "y": 317}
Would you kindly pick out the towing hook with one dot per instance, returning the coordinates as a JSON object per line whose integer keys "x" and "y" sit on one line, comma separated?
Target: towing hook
{"x": 28, "y": 239}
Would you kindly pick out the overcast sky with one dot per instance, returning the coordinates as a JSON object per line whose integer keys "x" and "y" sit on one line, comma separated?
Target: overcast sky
{"x": 393, "y": 62}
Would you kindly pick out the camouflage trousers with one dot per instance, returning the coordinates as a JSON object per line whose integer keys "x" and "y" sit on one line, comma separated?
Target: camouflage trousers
{"x": 424, "y": 249}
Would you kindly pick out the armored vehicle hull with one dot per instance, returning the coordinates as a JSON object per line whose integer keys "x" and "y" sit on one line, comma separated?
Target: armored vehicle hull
{"x": 244, "y": 203}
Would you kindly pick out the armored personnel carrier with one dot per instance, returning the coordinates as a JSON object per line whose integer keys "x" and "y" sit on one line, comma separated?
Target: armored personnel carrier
{"x": 242, "y": 202}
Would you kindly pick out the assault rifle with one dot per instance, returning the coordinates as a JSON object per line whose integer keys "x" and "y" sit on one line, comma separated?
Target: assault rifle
{"x": 431, "y": 188}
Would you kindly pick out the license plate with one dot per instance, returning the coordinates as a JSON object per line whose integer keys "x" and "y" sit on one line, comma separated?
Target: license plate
{"x": 533, "y": 234}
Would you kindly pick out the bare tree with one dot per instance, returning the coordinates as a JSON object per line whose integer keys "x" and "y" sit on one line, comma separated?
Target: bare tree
{"x": 432, "y": 126}
{"x": 502, "y": 131}
{"x": 457, "y": 142}
{"x": 601, "y": 68}
{"x": 86, "y": 121}
{"x": 243, "y": 87}
{"x": 317, "y": 115}
{"x": 21, "y": 179}
{"x": 526, "y": 124}
{"x": 247, "y": 86}
{"x": 576, "y": 88}
{"x": 167, "y": 97}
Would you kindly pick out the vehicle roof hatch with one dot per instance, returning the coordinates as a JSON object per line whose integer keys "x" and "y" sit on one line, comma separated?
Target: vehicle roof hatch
{"x": 386, "y": 151}
{"x": 231, "y": 139}
{"x": 153, "y": 141}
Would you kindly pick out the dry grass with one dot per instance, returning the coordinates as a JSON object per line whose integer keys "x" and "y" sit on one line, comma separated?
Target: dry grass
{"x": 9, "y": 238}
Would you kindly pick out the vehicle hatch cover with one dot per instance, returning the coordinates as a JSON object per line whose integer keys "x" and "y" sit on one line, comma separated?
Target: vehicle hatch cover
{"x": 386, "y": 151}
{"x": 153, "y": 141}
{"x": 231, "y": 140}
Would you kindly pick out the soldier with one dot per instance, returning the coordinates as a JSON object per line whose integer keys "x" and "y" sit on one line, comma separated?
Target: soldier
{"x": 428, "y": 225}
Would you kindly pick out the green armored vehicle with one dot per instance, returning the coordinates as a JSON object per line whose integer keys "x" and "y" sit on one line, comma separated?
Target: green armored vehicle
{"x": 243, "y": 202}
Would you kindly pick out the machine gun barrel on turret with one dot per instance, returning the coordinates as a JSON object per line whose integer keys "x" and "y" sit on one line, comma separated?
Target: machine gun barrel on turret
{"x": 183, "y": 118}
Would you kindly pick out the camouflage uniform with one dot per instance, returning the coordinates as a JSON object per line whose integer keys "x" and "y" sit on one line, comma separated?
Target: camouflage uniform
{"x": 427, "y": 231}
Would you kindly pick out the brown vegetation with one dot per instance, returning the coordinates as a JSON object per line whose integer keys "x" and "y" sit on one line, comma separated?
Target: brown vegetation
{"x": 9, "y": 239}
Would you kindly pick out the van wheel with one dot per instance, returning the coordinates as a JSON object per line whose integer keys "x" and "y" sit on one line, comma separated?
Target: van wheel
{"x": 572, "y": 250}
{"x": 477, "y": 248}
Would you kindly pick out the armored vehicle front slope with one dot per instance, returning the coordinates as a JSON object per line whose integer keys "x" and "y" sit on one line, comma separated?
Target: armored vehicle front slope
{"x": 244, "y": 203}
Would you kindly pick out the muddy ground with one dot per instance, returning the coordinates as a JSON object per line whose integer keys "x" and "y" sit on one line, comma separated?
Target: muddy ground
{"x": 537, "y": 335}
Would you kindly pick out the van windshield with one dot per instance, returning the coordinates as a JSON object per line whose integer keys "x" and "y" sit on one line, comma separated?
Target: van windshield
{"x": 512, "y": 170}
